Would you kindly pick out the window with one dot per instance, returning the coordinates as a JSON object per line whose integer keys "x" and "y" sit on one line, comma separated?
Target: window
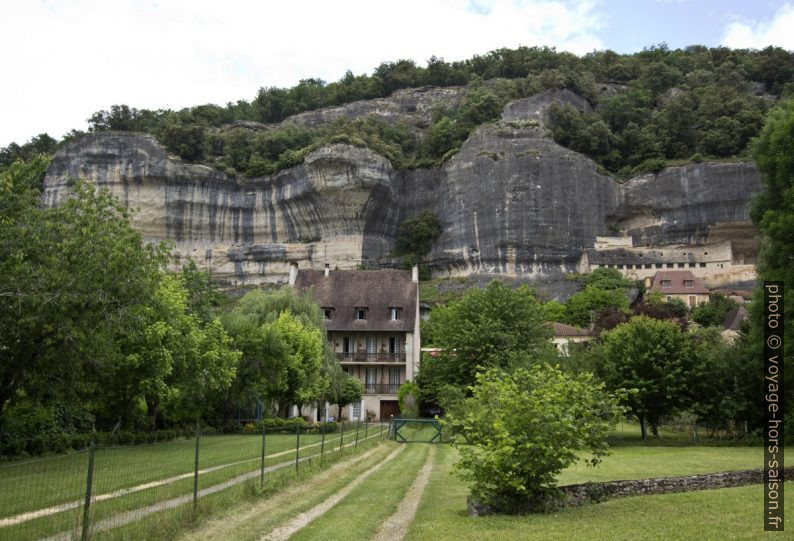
{"x": 356, "y": 413}
{"x": 361, "y": 312}
{"x": 658, "y": 265}
{"x": 395, "y": 344}
{"x": 689, "y": 283}
{"x": 680, "y": 265}
{"x": 665, "y": 283}
{"x": 347, "y": 344}
{"x": 328, "y": 312}
{"x": 669, "y": 298}
{"x": 702, "y": 265}
{"x": 691, "y": 265}
{"x": 395, "y": 313}
{"x": 669, "y": 265}
{"x": 647, "y": 265}
{"x": 620, "y": 265}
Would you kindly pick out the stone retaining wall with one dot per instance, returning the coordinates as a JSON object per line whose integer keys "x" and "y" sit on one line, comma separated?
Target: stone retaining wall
{"x": 597, "y": 492}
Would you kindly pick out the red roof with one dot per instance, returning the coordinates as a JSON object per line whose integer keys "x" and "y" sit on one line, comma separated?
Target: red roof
{"x": 674, "y": 283}
{"x": 563, "y": 329}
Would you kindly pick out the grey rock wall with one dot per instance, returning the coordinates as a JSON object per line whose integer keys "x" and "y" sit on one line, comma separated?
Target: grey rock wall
{"x": 511, "y": 202}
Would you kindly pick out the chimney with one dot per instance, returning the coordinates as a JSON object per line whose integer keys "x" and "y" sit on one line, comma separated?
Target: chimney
{"x": 415, "y": 273}
{"x": 293, "y": 273}
{"x": 327, "y": 269}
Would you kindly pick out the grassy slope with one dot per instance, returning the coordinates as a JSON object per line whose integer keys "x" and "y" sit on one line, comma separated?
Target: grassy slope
{"x": 733, "y": 513}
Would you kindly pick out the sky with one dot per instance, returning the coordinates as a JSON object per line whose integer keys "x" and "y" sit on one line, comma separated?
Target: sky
{"x": 63, "y": 60}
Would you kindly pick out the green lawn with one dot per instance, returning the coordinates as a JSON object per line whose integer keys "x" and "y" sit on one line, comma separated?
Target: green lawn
{"x": 150, "y": 474}
{"x": 732, "y": 513}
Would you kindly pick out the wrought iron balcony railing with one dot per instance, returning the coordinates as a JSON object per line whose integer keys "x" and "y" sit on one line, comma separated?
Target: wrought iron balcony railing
{"x": 364, "y": 357}
{"x": 381, "y": 388}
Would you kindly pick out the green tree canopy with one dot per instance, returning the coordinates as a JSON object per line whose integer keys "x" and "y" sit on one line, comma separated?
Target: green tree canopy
{"x": 498, "y": 326}
{"x": 522, "y": 429}
{"x": 654, "y": 357}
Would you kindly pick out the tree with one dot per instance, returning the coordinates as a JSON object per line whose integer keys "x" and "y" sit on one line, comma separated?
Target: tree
{"x": 498, "y": 326}
{"x": 74, "y": 281}
{"x": 285, "y": 355}
{"x": 346, "y": 391}
{"x": 773, "y": 213}
{"x": 654, "y": 357}
{"x": 177, "y": 360}
{"x": 525, "y": 427}
{"x": 592, "y": 298}
{"x": 416, "y": 235}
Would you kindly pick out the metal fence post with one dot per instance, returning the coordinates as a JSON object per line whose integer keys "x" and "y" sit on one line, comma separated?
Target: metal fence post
{"x": 358, "y": 422}
{"x": 196, "y": 467}
{"x": 391, "y": 426}
{"x": 89, "y": 481}
{"x": 341, "y": 434}
{"x": 366, "y": 425}
{"x": 262, "y": 467}
{"x": 297, "y": 446}
{"x": 322, "y": 442}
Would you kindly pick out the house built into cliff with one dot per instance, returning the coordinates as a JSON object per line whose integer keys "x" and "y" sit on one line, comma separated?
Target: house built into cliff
{"x": 716, "y": 261}
{"x": 372, "y": 320}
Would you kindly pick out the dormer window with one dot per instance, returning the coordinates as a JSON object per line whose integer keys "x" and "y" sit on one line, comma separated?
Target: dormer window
{"x": 361, "y": 313}
{"x": 689, "y": 283}
{"x": 328, "y": 312}
{"x": 395, "y": 313}
{"x": 665, "y": 283}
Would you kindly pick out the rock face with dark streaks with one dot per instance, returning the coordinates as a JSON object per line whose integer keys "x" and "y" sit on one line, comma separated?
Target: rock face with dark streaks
{"x": 511, "y": 202}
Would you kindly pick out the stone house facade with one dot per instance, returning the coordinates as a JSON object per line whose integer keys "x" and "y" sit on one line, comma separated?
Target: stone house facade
{"x": 372, "y": 322}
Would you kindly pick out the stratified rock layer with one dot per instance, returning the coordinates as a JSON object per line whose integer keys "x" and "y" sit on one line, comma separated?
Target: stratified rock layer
{"x": 511, "y": 202}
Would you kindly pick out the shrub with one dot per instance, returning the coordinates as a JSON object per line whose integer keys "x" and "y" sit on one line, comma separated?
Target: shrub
{"x": 526, "y": 427}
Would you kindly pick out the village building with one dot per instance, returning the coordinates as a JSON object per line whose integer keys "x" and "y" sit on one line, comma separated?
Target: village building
{"x": 372, "y": 323}
{"x": 681, "y": 285}
{"x": 564, "y": 334}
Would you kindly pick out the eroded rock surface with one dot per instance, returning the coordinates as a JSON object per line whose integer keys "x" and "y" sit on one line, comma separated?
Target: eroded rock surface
{"x": 511, "y": 202}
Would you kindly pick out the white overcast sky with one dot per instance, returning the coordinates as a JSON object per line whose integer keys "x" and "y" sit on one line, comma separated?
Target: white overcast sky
{"x": 65, "y": 59}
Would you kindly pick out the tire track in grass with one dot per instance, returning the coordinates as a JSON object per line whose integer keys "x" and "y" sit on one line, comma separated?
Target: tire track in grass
{"x": 299, "y": 522}
{"x": 240, "y": 524}
{"x": 396, "y": 526}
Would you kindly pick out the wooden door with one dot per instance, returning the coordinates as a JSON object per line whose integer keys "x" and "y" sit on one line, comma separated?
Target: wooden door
{"x": 389, "y": 408}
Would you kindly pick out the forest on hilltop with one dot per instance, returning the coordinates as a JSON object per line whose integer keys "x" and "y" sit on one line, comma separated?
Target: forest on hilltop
{"x": 650, "y": 109}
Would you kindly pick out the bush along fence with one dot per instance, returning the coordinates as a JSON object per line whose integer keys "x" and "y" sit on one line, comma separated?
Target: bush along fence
{"x": 131, "y": 491}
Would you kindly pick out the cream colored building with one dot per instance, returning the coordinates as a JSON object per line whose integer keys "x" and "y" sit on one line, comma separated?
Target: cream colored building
{"x": 372, "y": 319}
{"x": 679, "y": 285}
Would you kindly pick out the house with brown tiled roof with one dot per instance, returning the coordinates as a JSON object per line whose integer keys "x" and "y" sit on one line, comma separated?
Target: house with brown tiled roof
{"x": 372, "y": 320}
{"x": 679, "y": 285}
{"x": 564, "y": 334}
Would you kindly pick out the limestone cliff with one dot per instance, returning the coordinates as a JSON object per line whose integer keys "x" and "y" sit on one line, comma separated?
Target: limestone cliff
{"x": 511, "y": 201}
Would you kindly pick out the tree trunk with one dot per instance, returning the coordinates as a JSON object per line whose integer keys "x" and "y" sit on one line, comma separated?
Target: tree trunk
{"x": 655, "y": 430}
{"x": 643, "y": 429}
{"x": 152, "y": 408}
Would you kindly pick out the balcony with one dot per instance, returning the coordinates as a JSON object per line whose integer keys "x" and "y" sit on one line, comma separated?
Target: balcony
{"x": 381, "y": 388}
{"x": 364, "y": 357}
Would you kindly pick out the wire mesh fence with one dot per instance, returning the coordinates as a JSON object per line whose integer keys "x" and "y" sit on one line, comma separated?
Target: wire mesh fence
{"x": 125, "y": 492}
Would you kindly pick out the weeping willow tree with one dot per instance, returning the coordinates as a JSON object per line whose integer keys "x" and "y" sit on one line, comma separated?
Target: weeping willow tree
{"x": 286, "y": 358}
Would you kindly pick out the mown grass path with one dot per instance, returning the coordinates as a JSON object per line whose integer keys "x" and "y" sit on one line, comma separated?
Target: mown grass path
{"x": 306, "y": 518}
{"x": 396, "y": 526}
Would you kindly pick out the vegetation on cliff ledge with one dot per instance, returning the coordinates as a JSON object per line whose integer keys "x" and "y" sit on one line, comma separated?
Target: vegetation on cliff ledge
{"x": 649, "y": 108}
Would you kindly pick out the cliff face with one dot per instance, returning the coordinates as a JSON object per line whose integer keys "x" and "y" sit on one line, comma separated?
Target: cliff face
{"x": 511, "y": 201}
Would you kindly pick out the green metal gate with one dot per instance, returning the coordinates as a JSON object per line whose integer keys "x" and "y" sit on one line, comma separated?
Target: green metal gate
{"x": 416, "y": 430}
